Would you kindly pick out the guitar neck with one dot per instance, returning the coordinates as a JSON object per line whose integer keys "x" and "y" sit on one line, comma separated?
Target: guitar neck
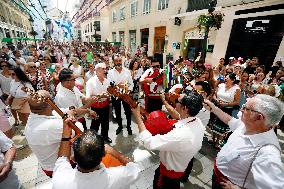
{"x": 55, "y": 108}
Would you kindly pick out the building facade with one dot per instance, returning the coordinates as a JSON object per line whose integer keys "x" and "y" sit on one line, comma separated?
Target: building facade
{"x": 138, "y": 22}
{"x": 92, "y": 21}
{"x": 169, "y": 28}
{"x": 14, "y": 19}
{"x": 251, "y": 28}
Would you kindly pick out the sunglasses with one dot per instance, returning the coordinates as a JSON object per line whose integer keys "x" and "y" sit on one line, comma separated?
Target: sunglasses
{"x": 32, "y": 66}
{"x": 156, "y": 66}
{"x": 118, "y": 65}
{"x": 4, "y": 66}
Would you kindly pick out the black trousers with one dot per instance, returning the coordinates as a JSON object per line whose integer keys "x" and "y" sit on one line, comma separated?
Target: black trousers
{"x": 153, "y": 104}
{"x": 187, "y": 171}
{"x": 215, "y": 184}
{"x": 116, "y": 103}
{"x": 170, "y": 183}
{"x": 102, "y": 121}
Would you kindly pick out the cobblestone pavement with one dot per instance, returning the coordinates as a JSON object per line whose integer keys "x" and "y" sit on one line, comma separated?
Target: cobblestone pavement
{"x": 31, "y": 176}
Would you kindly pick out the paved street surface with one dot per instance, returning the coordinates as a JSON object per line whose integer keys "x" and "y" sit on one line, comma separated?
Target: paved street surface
{"x": 31, "y": 175}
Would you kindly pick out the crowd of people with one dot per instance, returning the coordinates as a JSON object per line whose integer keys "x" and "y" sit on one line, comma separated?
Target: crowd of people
{"x": 240, "y": 102}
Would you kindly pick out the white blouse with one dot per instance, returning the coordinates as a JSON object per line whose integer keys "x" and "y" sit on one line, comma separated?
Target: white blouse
{"x": 5, "y": 83}
{"x": 226, "y": 95}
{"x": 16, "y": 89}
{"x": 78, "y": 74}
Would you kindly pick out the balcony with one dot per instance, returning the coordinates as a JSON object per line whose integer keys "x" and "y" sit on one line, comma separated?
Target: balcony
{"x": 194, "y": 5}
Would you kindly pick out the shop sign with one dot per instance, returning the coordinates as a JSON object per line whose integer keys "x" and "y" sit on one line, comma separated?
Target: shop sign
{"x": 194, "y": 34}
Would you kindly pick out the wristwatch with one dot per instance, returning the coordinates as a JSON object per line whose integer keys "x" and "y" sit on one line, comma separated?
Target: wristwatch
{"x": 66, "y": 139}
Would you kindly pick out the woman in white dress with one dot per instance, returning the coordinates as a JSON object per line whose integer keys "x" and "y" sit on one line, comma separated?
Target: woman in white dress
{"x": 227, "y": 97}
{"x": 18, "y": 98}
{"x": 136, "y": 73}
{"x": 78, "y": 72}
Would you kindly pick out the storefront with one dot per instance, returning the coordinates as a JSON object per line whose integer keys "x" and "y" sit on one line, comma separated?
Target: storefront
{"x": 192, "y": 43}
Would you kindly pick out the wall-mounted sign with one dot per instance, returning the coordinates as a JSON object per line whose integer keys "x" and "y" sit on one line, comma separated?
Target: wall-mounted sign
{"x": 176, "y": 45}
{"x": 195, "y": 34}
{"x": 210, "y": 48}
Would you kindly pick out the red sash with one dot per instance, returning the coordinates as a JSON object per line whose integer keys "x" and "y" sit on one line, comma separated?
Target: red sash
{"x": 170, "y": 174}
{"x": 101, "y": 104}
{"x": 218, "y": 175}
{"x": 48, "y": 173}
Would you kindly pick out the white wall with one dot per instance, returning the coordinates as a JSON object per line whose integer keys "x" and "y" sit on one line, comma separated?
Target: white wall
{"x": 156, "y": 18}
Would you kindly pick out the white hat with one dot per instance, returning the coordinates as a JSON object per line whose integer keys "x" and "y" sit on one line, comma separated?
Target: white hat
{"x": 100, "y": 65}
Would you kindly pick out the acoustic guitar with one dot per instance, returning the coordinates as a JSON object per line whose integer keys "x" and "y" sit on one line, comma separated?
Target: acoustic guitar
{"x": 157, "y": 80}
{"x": 108, "y": 160}
{"x": 156, "y": 122}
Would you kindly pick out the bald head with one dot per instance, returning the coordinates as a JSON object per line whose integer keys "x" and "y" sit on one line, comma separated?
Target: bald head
{"x": 37, "y": 102}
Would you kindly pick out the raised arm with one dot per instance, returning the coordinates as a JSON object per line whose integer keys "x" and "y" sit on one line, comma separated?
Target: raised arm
{"x": 217, "y": 111}
{"x": 171, "y": 110}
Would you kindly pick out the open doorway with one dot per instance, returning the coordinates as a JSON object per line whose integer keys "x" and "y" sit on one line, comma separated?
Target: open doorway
{"x": 194, "y": 46}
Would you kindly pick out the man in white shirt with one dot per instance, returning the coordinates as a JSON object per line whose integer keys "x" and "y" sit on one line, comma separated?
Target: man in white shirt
{"x": 18, "y": 60}
{"x": 251, "y": 158}
{"x": 178, "y": 146}
{"x": 69, "y": 96}
{"x": 8, "y": 177}
{"x": 153, "y": 85}
{"x": 43, "y": 132}
{"x": 89, "y": 149}
{"x": 91, "y": 73}
{"x": 121, "y": 77}
{"x": 96, "y": 87}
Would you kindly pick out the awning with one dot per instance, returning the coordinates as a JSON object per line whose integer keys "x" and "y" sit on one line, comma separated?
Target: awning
{"x": 7, "y": 40}
{"x": 193, "y": 14}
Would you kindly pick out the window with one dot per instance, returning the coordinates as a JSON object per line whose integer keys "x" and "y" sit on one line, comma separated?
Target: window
{"x": 97, "y": 25}
{"x": 197, "y": 5}
{"x": 163, "y": 4}
{"x": 133, "y": 8}
{"x": 114, "y": 16}
{"x": 122, "y": 13}
{"x": 114, "y": 36}
{"x": 91, "y": 27}
{"x": 146, "y": 6}
{"x": 121, "y": 37}
{"x": 132, "y": 36}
